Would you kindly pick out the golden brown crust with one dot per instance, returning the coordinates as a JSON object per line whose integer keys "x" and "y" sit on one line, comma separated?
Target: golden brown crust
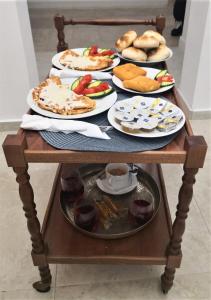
{"x": 128, "y": 71}
{"x": 142, "y": 84}
{"x": 126, "y": 40}
{"x": 161, "y": 53}
{"x": 155, "y": 34}
{"x": 146, "y": 42}
{"x": 134, "y": 53}
{"x": 86, "y": 101}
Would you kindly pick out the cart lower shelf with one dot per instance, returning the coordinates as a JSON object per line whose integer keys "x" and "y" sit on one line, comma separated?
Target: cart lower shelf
{"x": 67, "y": 245}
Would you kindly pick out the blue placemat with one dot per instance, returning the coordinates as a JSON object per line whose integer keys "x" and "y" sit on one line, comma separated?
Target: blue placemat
{"x": 119, "y": 141}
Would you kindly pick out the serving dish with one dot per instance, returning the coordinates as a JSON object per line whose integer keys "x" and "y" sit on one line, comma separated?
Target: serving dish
{"x": 151, "y": 73}
{"x": 121, "y": 227}
{"x": 102, "y": 104}
{"x": 80, "y": 51}
{"x": 146, "y": 63}
{"x": 155, "y": 133}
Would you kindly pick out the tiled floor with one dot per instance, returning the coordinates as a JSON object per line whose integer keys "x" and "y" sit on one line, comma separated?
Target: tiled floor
{"x": 102, "y": 282}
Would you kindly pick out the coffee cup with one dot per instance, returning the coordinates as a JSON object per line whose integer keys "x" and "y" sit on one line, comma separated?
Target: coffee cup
{"x": 118, "y": 175}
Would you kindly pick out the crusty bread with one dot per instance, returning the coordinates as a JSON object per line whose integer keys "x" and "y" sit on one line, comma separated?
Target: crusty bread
{"x": 146, "y": 42}
{"x": 156, "y": 35}
{"x": 158, "y": 54}
{"x": 126, "y": 40}
{"x": 142, "y": 84}
{"x": 134, "y": 53}
{"x": 128, "y": 71}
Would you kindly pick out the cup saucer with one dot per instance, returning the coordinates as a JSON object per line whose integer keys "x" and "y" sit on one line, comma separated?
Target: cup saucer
{"x": 107, "y": 188}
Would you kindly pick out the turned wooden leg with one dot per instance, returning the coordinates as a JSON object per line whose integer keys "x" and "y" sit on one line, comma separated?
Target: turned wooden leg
{"x": 59, "y": 24}
{"x": 174, "y": 249}
{"x": 167, "y": 279}
{"x": 44, "y": 284}
{"x": 29, "y": 207}
{"x": 196, "y": 150}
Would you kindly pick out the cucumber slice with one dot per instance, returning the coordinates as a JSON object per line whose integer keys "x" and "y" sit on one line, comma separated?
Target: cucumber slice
{"x": 86, "y": 52}
{"x": 161, "y": 73}
{"x": 100, "y": 94}
{"x": 75, "y": 83}
{"x": 94, "y": 83}
{"x": 166, "y": 83}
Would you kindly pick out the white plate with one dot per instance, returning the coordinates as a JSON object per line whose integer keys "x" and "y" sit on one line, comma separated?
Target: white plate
{"x": 151, "y": 73}
{"x": 152, "y": 134}
{"x": 146, "y": 62}
{"x": 104, "y": 186}
{"x": 102, "y": 104}
{"x": 56, "y": 60}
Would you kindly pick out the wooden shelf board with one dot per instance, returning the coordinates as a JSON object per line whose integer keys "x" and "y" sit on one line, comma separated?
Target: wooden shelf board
{"x": 67, "y": 245}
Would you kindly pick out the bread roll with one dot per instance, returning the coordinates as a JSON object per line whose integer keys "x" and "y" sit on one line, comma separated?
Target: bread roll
{"x": 126, "y": 40}
{"x": 146, "y": 42}
{"x": 128, "y": 71}
{"x": 134, "y": 53}
{"x": 160, "y": 53}
{"x": 156, "y": 35}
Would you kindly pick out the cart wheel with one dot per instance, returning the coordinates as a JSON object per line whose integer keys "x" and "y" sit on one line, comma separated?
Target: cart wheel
{"x": 164, "y": 291}
{"x": 41, "y": 287}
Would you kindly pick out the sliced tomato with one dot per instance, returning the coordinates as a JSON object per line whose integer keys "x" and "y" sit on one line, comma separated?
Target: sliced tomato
{"x": 84, "y": 82}
{"x": 93, "y": 50}
{"x": 165, "y": 78}
{"x": 96, "y": 89}
{"x": 107, "y": 53}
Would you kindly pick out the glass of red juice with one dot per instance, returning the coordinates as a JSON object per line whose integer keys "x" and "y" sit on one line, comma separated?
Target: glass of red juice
{"x": 85, "y": 216}
{"x": 140, "y": 211}
{"x": 72, "y": 186}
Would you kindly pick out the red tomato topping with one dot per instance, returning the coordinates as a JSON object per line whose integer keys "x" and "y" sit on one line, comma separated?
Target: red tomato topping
{"x": 93, "y": 50}
{"x": 107, "y": 52}
{"x": 96, "y": 89}
{"x": 84, "y": 82}
{"x": 165, "y": 78}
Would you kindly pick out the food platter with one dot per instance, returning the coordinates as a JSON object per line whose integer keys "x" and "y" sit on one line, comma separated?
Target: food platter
{"x": 146, "y": 62}
{"x": 56, "y": 60}
{"x": 102, "y": 104}
{"x": 121, "y": 227}
{"x": 155, "y": 133}
{"x": 151, "y": 73}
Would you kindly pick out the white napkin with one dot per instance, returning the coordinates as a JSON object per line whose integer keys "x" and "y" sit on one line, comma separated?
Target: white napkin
{"x": 35, "y": 122}
{"x": 67, "y": 73}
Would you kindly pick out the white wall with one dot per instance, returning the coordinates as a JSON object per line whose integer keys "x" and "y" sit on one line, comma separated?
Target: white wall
{"x": 18, "y": 70}
{"x": 195, "y": 79}
{"x": 96, "y": 3}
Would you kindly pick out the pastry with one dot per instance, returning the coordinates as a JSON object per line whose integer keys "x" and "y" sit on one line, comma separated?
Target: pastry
{"x": 156, "y": 35}
{"x": 54, "y": 96}
{"x": 134, "y": 53}
{"x": 128, "y": 71}
{"x": 126, "y": 40}
{"x": 72, "y": 60}
{"x": 142, "y": 84}
{"x": 146, "y": 42}
{"x": 161, "y": 53}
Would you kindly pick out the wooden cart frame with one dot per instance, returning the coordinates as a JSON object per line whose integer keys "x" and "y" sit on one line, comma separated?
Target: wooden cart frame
{"x": 58, "y": 242}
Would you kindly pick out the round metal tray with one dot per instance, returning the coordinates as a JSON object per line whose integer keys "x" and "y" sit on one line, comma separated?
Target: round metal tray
{"x": 121, "y": 227}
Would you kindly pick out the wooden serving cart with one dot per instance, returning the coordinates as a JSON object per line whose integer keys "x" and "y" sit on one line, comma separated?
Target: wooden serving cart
{"x": 57, "y": 242}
